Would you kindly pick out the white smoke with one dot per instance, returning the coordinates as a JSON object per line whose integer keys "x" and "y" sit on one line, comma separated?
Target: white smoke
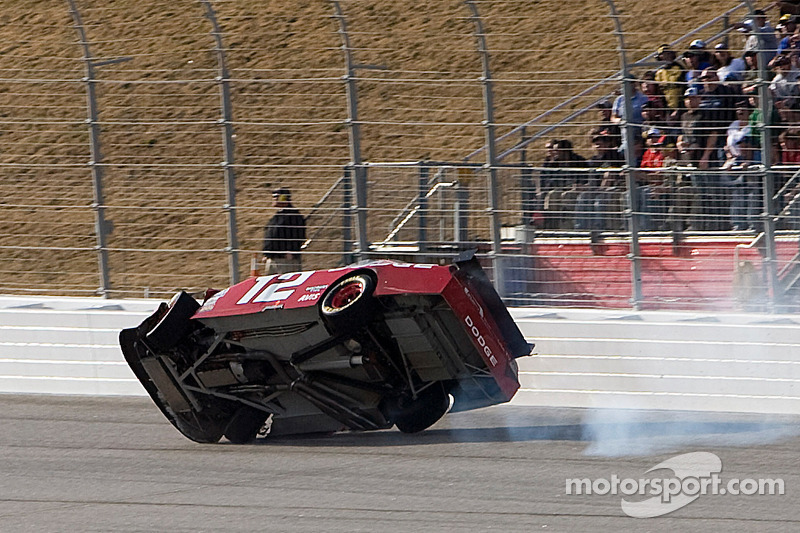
{"x": 631, "y": 432}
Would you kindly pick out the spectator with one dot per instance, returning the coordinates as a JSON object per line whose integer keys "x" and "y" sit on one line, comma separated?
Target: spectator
{"x": 654, "y": 116}
{"x": 729, "y": 68}
{"x": 759, "y": 27}
{"x": 548, "y": 179}
{"x": 698, "y": 146}
{"x": 790, "y": 155}
{"x": 738, "y": 131}
{"x": 790, "y": 114}
{"x": 756, "y": 120}
{"x": 671, "y": 77}
{"x": 738, "y": 151}
{"x": 698, "y": 60}
{"x": 561, "y": 184}
{"x": 720, "y": 100}
{"x": 566, "y": 158}
{"x": 651, "y": 89}
{"x": 618, "y": 116}
{"x": 597, "y": 199}
{"x": 790, "y": 146}
{"x": 653, "y": 157}
{"x": 606, "y": 126}
{"x": 652, "y": 188}
{"x": 787, "y": 28}
{"x": 752, "y": 78}
{"x": 746, "y": 192}
{"x": 606, "y": 153}
{"x": 284, "y": 235}
{"x": 784, "y": 84}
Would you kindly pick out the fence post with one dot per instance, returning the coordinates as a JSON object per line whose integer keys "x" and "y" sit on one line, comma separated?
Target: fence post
{"x": 347, "y": 217}
{"x": 356, "y": 162}
{"x": 765, "y": 106}
{"x": 528, "y": 201}
{"x": 726, "y": 23}
{"x": 422, "y": 213}
{"x": 630, "y": 160}
{"x": 226, "y": 121}
{"x": 632, "y": 213}
{"x": 491, "y": 148}
{"x": 102, "y": 226}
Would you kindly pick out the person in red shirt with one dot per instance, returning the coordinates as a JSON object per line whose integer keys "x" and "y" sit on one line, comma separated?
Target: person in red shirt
{"x": 790, "y": 155}
{"x": 790, "y": 146}
{"x": 654, "y": 192}
{"x": 653, "y": 157}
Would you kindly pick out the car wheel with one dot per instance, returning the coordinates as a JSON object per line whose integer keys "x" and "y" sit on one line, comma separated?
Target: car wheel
{"x": 244, "y": 425}
{"x": 174, "y": 325}
{"x": 415, "y": 415}
{"x": 349, "y": 303}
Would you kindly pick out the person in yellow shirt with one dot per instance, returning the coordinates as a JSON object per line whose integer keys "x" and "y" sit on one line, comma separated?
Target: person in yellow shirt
{"x": 671, "y": 77}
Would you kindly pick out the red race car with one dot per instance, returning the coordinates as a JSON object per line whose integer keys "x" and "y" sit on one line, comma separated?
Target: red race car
{"x": 362, "y": 347}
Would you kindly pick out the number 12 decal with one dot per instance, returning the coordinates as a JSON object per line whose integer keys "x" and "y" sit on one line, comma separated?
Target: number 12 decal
{"x": 264, "y": 291}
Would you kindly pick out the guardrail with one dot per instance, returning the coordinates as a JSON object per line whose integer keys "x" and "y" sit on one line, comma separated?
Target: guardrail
{"x": 585, "y": 358}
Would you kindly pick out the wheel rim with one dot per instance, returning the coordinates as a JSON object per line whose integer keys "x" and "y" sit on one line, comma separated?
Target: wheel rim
{"x": 348, "y": 293}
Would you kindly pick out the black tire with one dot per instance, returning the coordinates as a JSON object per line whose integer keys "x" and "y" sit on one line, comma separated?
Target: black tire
{"x": 174, "y": 325}
{"x": 415, "y": 415}
{"x": 349, "y": 302}
{"x": 244, "y": 425}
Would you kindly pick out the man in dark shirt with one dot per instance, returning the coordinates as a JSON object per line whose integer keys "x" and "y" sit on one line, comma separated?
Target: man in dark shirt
{"x": 605, "y": 150}
{"x": 699, "y": 135}
{"x": 698, "y": 146}
{"x": 720, "y": 100}
{"x": 284, "y": 235}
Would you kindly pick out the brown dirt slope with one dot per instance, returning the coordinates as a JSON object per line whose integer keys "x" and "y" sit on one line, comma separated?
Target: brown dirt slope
{"x": 420, "y": 98}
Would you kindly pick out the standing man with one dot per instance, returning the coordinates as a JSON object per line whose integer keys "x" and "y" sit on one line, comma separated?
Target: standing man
{"x": 759, "y": 25}
{"x": 698, "y": 146}
{"x": 671, "y": 77}
{"x": 284, "y": 234}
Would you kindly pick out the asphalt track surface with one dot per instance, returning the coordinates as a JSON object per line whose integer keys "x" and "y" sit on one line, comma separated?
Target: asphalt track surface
{"x": 114, "y": 464}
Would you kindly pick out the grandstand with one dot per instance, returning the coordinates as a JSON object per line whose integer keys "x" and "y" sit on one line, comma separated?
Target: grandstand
{"x": 200, "y": 109}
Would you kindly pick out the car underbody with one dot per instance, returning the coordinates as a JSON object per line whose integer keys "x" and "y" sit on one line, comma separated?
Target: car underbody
{"x": 353, "y": 358}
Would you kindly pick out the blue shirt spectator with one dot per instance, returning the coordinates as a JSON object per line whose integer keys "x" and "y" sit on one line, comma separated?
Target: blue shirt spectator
{"x": 618, "y": 114}
{"x": 759, "y": 28}
{"x": 697, "y": 59}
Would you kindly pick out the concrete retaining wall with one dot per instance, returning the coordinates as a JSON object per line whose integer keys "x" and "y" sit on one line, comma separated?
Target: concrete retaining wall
{"x": 661, "y": 360}
{"x": 586, "y": 358}
{"x": 67, "y": 345}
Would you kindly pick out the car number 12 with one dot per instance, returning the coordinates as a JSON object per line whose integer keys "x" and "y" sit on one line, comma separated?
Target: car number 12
{"x": 264, "y": 291}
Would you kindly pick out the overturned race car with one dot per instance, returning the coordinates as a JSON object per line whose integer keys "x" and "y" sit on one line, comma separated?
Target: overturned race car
{"x": 363, "y": 347}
